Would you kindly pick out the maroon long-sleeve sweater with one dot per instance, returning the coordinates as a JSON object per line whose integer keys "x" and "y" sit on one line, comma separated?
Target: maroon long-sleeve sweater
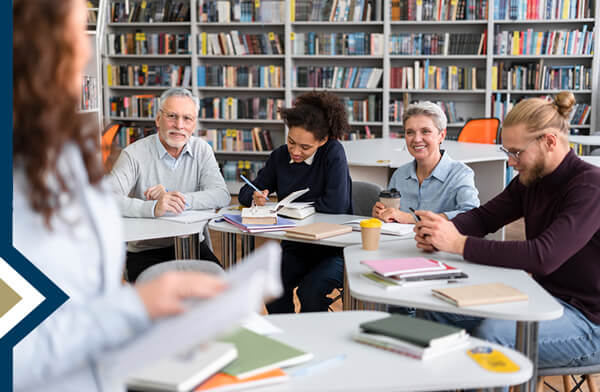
{"x": 562, "y": 227}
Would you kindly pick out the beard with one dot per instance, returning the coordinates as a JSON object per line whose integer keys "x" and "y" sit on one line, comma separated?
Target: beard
{"x": 534, "y": 174}
{"x": 175, "y": 143}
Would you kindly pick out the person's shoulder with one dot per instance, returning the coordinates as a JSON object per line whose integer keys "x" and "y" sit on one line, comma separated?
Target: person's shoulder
{"x": 585, "y": 173}
{"x": 457, "y": 167}
{"x": 141, "y": 146}
{"x": 333, "y": 148}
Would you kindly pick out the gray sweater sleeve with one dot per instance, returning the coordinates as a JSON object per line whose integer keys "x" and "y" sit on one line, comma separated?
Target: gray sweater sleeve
{"x": 122, "y": 179}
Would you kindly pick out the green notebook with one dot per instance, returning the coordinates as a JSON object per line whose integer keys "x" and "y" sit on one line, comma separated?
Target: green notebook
{"x": 258, "y": 354}
{"x": 414, "y": 330}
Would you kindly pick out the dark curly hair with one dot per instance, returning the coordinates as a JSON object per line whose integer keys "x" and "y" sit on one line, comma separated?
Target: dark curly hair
{"x": 44, "y": 101}
{"x": 321, "y": 113}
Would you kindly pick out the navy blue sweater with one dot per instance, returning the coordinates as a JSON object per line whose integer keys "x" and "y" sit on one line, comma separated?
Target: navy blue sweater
{"x": 328, "y": 179}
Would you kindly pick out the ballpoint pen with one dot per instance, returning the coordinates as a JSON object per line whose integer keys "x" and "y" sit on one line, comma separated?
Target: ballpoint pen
{"x": 247, "y": 181}
{"x": 187, "y": 205}
{"x": 318, "y": 365}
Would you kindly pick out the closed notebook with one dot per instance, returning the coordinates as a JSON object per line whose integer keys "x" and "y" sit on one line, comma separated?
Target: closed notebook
{"x": 481, "y": 294}
{"x": 184, "y": 371}
{"x": 222, "y": 382}
{"x": 258, "y": 354}
{"x": 317, "y": 231}
{"x": 413, "y": 330}
{"x": 388, "y": 267}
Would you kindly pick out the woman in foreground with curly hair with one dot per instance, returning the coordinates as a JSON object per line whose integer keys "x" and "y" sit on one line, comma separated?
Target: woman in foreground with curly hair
{"x": 314, "y": 158}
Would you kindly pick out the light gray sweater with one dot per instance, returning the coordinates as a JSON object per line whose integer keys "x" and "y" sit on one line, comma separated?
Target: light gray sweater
{"x": 146, "y": 163}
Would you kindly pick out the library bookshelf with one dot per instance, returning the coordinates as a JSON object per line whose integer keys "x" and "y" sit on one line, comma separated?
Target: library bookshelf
{"x": 299, "y": 49}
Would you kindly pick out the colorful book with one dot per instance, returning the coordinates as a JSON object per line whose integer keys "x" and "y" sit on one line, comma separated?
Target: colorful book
{"x": 258, "y": 354}
{"x": 222, "y": 382}
{"x": 389, "y": 267}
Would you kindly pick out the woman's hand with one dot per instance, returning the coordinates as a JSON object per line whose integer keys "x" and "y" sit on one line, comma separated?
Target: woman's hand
{"x": 260, "y": 198}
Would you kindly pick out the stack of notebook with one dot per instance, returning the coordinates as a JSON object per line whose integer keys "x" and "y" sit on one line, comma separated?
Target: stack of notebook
{"x": 401, "y": 272}
{"x": 417, "y": 338}
{"x": 236, "y": 220}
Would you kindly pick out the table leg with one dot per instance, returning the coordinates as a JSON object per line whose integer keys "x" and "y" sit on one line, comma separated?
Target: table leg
{"x": 187, "y": 246}
{"x": 247, "y": 244}
{"x": 224, "y": 254}
{"x": 232, "y": 248}
{"x": 527, "y": 343}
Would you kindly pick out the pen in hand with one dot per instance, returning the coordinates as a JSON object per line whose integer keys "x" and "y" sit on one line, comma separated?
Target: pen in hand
{"x": 418, "y": 219}
{"x": 247, "y": 181}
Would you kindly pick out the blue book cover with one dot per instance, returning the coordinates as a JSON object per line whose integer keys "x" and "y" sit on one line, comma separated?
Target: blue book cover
{"x": 201, "y": 76}
{"x": 236, "y": 220}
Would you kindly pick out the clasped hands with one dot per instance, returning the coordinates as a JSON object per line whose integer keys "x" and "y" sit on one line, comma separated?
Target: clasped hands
{"x": 167, "y": 201}
{"x": 434, "y": 232}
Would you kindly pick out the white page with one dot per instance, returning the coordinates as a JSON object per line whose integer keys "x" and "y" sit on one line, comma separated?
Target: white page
{"x": 205, "y": 320}
{"x": 404, "y": 230}
{"x": 190, "y": 216}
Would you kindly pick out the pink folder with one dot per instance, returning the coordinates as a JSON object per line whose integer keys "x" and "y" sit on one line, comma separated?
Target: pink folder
{"x": 388, "y": 267}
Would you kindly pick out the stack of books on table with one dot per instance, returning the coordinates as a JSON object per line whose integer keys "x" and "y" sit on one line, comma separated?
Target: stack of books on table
{"x": 417, "y": 338}
{"x": 402, "y": 272}
{"x": 236, "y": 220}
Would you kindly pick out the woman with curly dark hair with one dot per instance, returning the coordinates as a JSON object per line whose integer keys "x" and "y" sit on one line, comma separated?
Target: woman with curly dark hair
{"x": 65, "y": 221}
{"x": 314, "y": 158}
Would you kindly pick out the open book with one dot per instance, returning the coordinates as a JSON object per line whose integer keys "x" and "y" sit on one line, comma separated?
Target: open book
{"x": 267, "y": 214}
{"x": 403, "y": 230}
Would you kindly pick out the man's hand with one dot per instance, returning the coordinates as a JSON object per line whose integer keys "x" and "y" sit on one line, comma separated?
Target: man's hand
{"x": 154, "y": 192}
{"x": 169, "y": 201}
{"x": 260, "y": 198}
{"x": 436, "y": 233}
{"x": 164, "y": 295}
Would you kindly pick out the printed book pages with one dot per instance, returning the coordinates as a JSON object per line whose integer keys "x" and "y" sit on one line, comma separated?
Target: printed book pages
{"x": 403, "y": 230}
{"x": 482, "y": 294}
{"x": 222, "y": 382}
{"x": 417, "y": 338}
{"x": 185, "y": 370}
{"x": 258, "y": 216}
{"x": 317, "y": 231}
{"x": 297, "y": 210}
{"x": 258, "y": 354}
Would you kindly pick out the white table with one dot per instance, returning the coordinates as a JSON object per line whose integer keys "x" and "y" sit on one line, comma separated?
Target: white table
{"x": 586, "y": 141}
{"x": 374, "y": 160}
{"x": 368, "y": 368}
{"x": 540, "y": 306}
{"x": 186, "y": 234}
{"x": 594, "y": 160}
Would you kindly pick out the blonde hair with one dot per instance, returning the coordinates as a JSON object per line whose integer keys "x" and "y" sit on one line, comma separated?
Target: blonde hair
{"x": 539, "y": 114}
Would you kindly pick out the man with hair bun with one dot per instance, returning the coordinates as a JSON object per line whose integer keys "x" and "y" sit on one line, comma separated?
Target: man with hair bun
{"x": 311, "y": 158}
{"x": 558, "y": 195}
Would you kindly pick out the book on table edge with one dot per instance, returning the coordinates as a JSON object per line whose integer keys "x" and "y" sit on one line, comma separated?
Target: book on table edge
{"x": 481, "y": 294}
{"x": 222, "y": 382}
{"x": 317, "y": 231}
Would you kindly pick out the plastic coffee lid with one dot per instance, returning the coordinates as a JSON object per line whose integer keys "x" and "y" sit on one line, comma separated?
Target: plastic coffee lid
{"x": 391, "y": 193}
{"x": 370, "y": 223}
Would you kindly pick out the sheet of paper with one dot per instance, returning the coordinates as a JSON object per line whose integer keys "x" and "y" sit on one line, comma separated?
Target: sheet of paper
{"x": 190, "y": 216}
{"x": 404, "y": 230}
{"x": 205, "y": 320}
{"x": 259, "y": 324}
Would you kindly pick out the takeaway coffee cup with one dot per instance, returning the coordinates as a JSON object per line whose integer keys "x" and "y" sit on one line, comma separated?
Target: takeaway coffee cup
{"x": 390, "y": 198}
{"x": 370, "y": 230}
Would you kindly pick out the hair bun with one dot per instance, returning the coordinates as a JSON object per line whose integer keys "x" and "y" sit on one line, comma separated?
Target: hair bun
{"x": 564, "y": 101}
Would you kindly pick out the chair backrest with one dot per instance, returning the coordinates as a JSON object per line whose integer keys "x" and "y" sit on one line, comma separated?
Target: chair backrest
{"x": 208, "y": 267}
{"x": 109, "y": 154}
{"x": 364, "y": 197}
{"x": 480, "y": 130}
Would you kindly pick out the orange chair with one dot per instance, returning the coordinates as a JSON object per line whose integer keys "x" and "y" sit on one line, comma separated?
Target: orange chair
{"x": 480, "y": 130}
{"x": 106, "y": 144}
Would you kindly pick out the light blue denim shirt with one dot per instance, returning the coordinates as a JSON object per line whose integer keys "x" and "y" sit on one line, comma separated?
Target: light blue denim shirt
{"x": 449, "y": 189}
{"x": 163, "y": 154}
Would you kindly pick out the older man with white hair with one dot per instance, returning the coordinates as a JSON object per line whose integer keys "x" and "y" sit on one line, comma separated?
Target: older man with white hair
{"x": 170, "y": 171}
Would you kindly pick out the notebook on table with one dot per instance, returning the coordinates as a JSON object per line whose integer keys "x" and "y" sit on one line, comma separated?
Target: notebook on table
{"x": 403, "y": 265}
{"x": 236, "y": 220}
{"x": 184, "y": 371}
{"x": 297, "y": 210}
{"x": 258, "y": 354}
{"x": 403, "y": 230}
{"x": 222, "y": 382}
{"x": 317, "y": 231}
{"x": 481, "y": 294}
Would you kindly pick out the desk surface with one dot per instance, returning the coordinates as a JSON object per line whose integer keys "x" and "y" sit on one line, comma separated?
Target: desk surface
{"x": 594, "y": 160}
{"x": 540, "y": 306}
{"x": 593, "y": 140}
{"x": 339, "y": 241}
{"x": 392, "y": 152}
{"x": 368, "y": 368}
{"x": 136, "y": 229}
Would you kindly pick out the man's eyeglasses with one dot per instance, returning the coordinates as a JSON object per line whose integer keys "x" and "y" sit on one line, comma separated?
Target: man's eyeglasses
{"x": 171, "y": 117}
{"x": 515, "y": 154}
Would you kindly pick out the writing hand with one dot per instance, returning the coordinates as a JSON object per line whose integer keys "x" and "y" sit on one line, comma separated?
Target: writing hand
{"x": 260, "y": 198}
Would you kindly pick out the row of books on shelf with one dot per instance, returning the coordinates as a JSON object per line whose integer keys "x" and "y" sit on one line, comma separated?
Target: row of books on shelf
{"x": 233, "y": 169}
{"x": 360, "y": 110}
{"x": 542, "y": 9}
{"x": 89, "y": 93}
{"x": 128, "y": 135}
{"x": 226, "y": 11}
{"x": 92, "y": 14}
{"x": 338, "y": 10}
{"x": 231, "y": 108}
{"x": 397, "y": 108}
{"x": 255, "y": 139}
{"x": 148, "y": 43}
{"x": 358, "y": 134}
{"x": 537, "y": 76}
{"x": 268, "y": 76}
{"x": 144, "y": 11}
{"x": 336, "y": 77}
{"x": 502, "y": 105}
{"x": 438, "y": 10}
{"x": 438, "y": 43}
{"x": 138, "y": 106}
{"x": 236, "y": 43}
{"x": 557, "y": 42}
{"x": 148, "y": 75}
{"x": 338, "y": 44}
{"x": 424, "y": 76}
